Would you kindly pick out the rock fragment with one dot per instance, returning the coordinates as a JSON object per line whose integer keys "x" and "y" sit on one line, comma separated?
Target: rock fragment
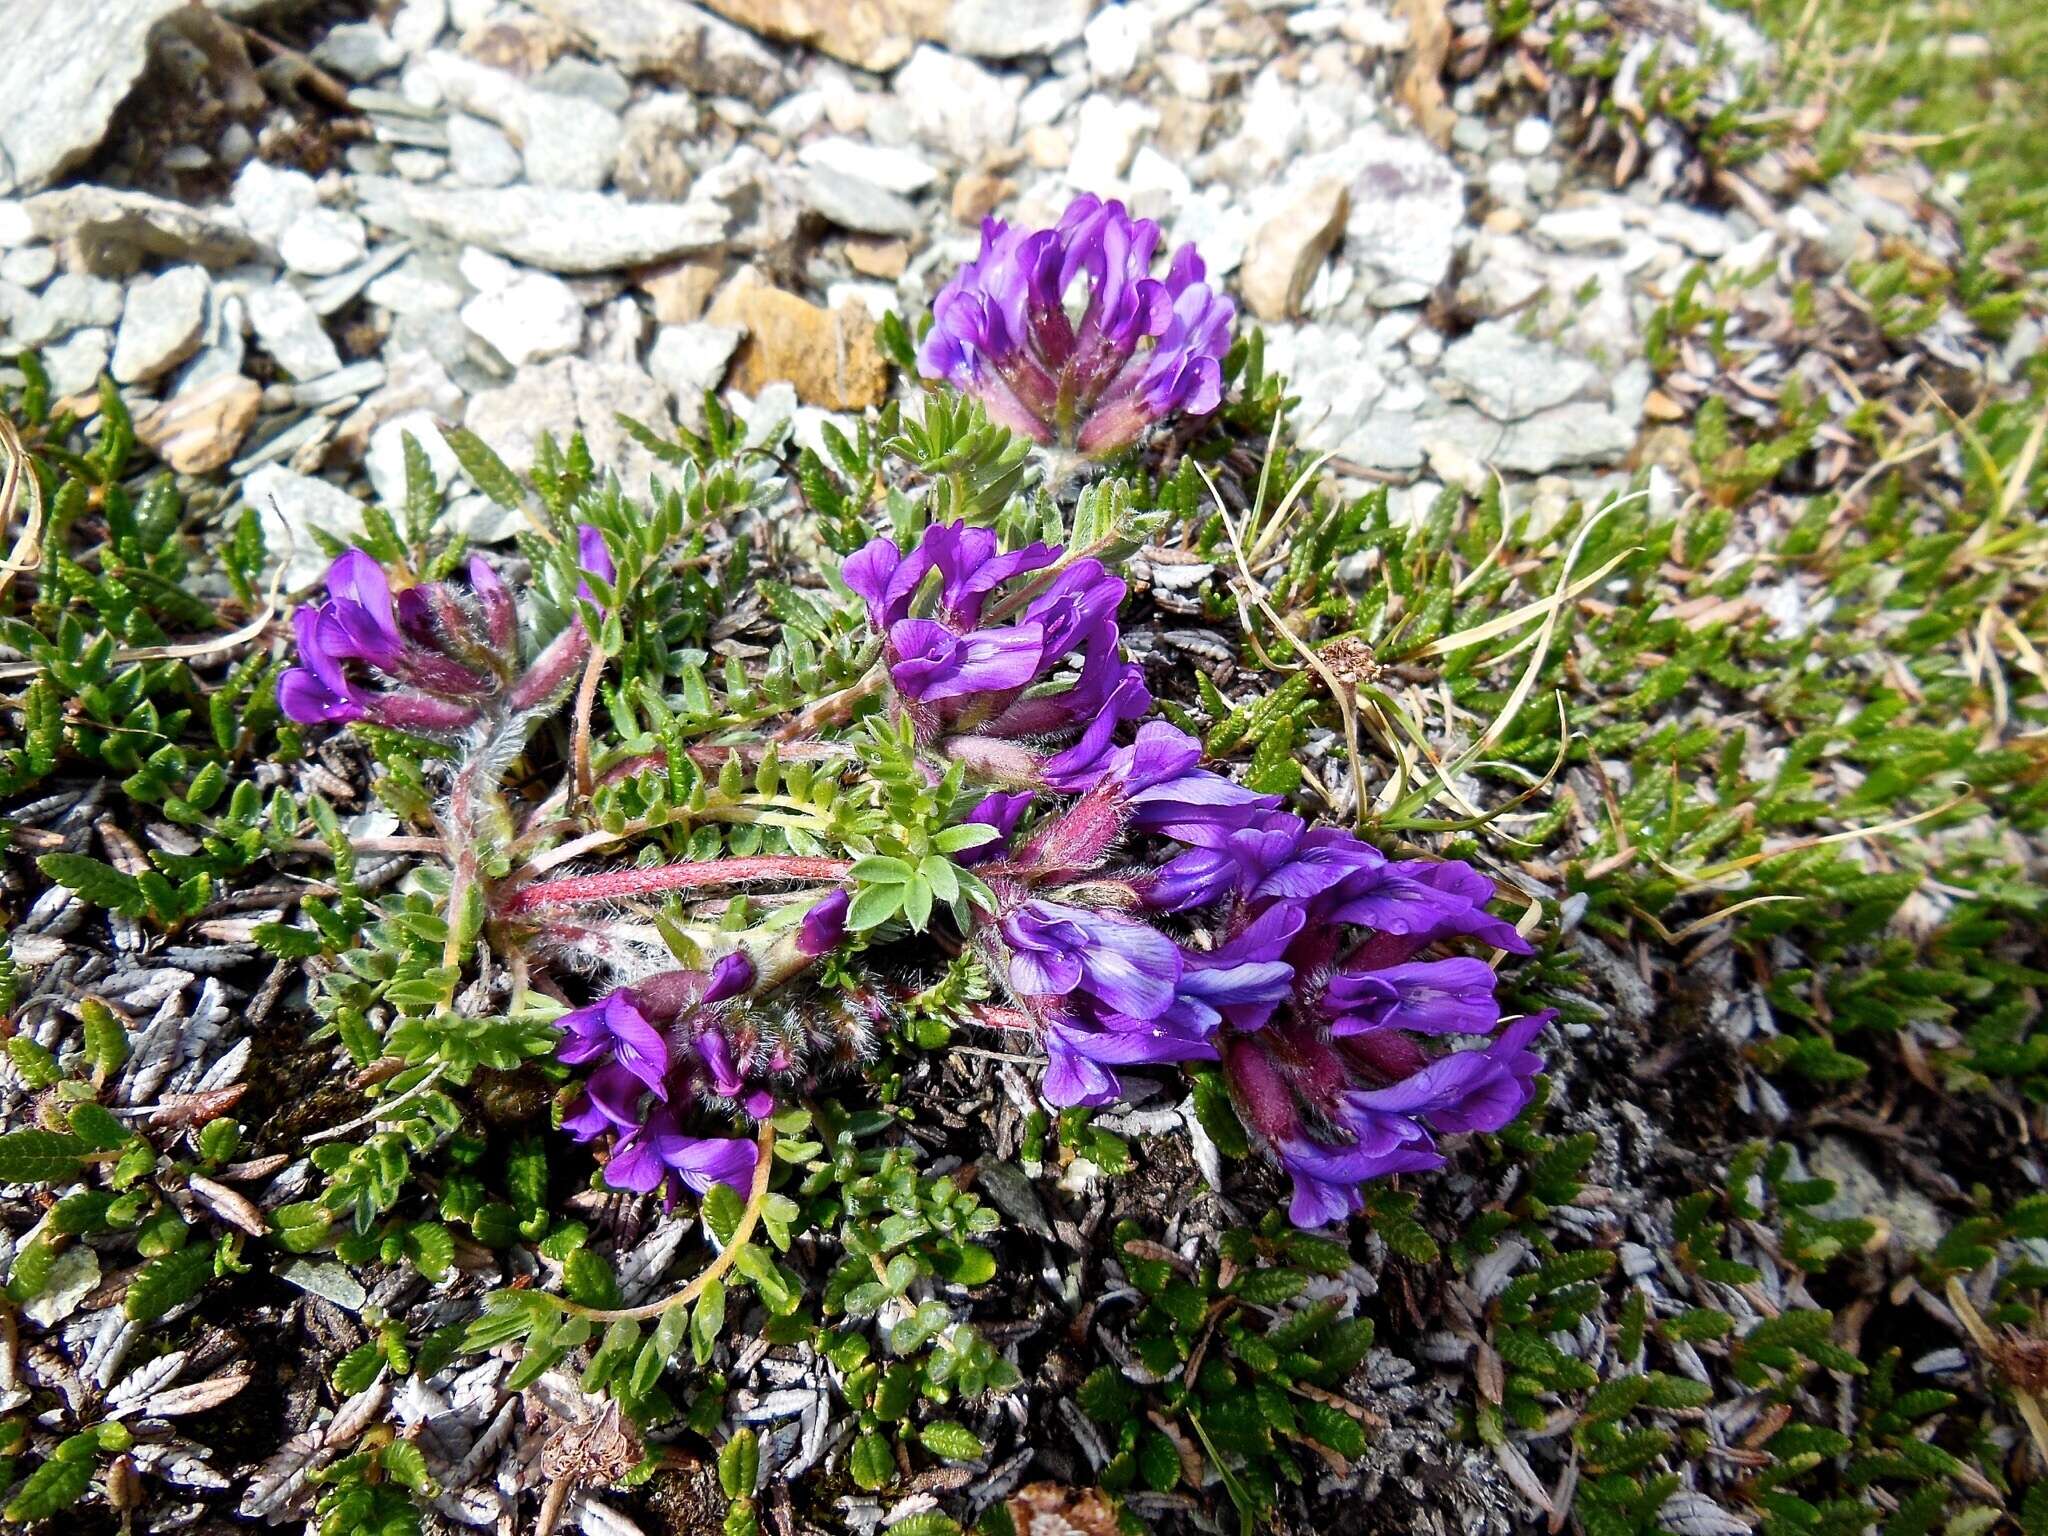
{"x": 558, "y": 231}
{"x": 200, "y": 429}
{"x": 163, "y": 321}
{"x": 1289, "y": 248}
{"x": 829, "y": 356}
{"x": 65, "y": 68}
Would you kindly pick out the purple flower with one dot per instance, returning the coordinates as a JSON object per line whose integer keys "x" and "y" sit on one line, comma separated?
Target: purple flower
{"x": 594, "y": 558}
{"x": 1158, "y": 779}
{"x": 731, "y": 976}
{"x": 1079, "y": 1054}
{"x": 969, "y": 561}
{"x": 359, "y": 603}
{"x": 1419, "y": 902}
{"x": 1122, "y": 966}
{"x": 1001, "y": 811}
{"x": 1429, "y": 997}
{"x": 1144, "y": 347}
{"x": 614, "y": 1027}
{"x": 824, "y": 926}
{"x": 930, "y": 663}
{"x": 657, "y": 1155}
{"x": 318, "y": 691}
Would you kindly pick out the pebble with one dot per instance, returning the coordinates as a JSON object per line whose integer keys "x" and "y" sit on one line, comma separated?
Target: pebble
{"x": 570, "y": 143}
{"x": 269, "y": 199}
{"x": 290, "y": 507}
{"x": 894, "y": 170}
{"x": 384, "y": 459}
{"x": 200, "y": 429}
{"x": 854, "y": 204}
{"x": 163, "y": 321}
{"x": 75, "y": 364}
{"x": 323, "y": 241}
{"x": 30, "y": 267}
{"x": 360, "y": 50}
{"x": 1288, "y": 249}
{"x": 559, "y": 231}
{"x": 1510, "y": 376}
{"x": 290, "y": 331}
{"x": 1013, "y": 29}
{"x": 687, "y": 360}
{"x": 71, "y": 302}
{"x": 954, "y": 106}
{"x": 479, "y": 154}
{"x": 532, "y": 317}
{"x": 1531, "y": 137}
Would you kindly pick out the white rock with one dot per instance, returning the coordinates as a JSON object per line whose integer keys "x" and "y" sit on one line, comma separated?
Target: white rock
{"x": 954, "y": 105}
{"x": 71, "y": 302}
{"x": 600, "y": 83}
{"x": 418, "y": 23}
{"x": 675, "y": 42}
{"x": 1189, "y": 77}
{"x": 852, "y": 203}
{"x": 559, "y": 231}
{"x": 417, "y": 285}
{"x": 384, "y": 460}
{"x": 290, "y": 506}
{"x": 1592, "y": 227}
{"x": 66, "y": 66}
{"x": 1407, "y": 204}
{"x": 360, "y": 50}
{"x": 30, "y": 267}
{"x": 269, "y": 200}
{"x": 570, "y": 143}
{"x": 1509, "y": 376}
{"x": 162, "y": 323}
{"x": 480, "y": 155}
{"x": 896, "y": 170}
{"x": 16, "y": 227}
{"x": 1013, "y": 29}
{"x": 568, "y": 395}
{"x": 1106, "y": 135}
{"x": 485, "y": 272}
{"x": 112, "y": 228}
{"x": 289, "y": 330}
{"x": 323, "y": 241}
{"x": 1117, "y": 35}
{"x": 75, "y": 364}
{"x": 1532, "y": 137}
{"x": 686, "y": 360}
{"x": 534, "y": 317}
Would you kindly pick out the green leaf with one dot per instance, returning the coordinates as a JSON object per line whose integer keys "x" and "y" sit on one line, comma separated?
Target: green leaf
{"x": 739, "y": 1464}
{"x": 101, "y": 884}
{"x": 169, "y": 1282}
{"x": 486, "y": 471}
{"x": 40, "y": 1157}
{"x": 951, "y": 1440}
{"x": 58, "y": 1483}
{"x": 870, "y": 1464}
{"x": 106, "y": 1036}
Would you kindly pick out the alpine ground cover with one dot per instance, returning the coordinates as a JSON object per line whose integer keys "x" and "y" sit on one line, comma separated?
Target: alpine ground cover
{"x": 656, "y": 1008}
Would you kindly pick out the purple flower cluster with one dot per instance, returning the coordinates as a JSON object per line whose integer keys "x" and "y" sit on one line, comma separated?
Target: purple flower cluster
{"x": 979, "y": 684}
{"x": 446, "y": 652}
{"x": 1314, "y": 981}
{"x": 1142, "y": 347}
{"x": 682, "y": 1036}
{"x": 658, "y": 1046}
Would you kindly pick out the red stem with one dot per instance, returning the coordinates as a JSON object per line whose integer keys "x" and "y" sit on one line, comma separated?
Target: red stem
{"x": 618, "y": 884}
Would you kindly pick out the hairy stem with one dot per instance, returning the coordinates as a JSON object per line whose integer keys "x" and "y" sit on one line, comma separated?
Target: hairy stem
{"x": 699, "y": 874}
{"x": 586, "y": 703}
{"x": 764, "y": 1165}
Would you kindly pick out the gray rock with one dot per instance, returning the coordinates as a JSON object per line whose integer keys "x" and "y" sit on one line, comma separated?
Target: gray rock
{"x": 569, "y": 395}
{"x": 557, "y": 231}
{"x": 689, "y": 359}
{"x": 852, "y": 203}
{"x": 114, "y": 229}
{"x": 654, "y": 163}
{"x": 600, "y": 83}
{"x": 291, "y": 506}
{"x": 1588, "y": 227}
{"x": 1015, "y": 29}
{"x": 323, "y": 241}
{"x": 72, "y": 302}
{"x": 479, "y": 155}
{"x": 893, "y": 170}
{"x": 350, "y": 383}
{"x": 674, "y": 41}
{"x": 570, "y": 143}
{"x": 75, "y": 364}
{"x": 423, "y": 283}
{"x": 1510, "y": 376}
{"x": 1860, "y": 1191}
{"x": 1578, "y": 432}
{"x": 360, "y": 50}
{"x": 953, "y": 104}
{"x": 222, "y": 347}
{"x": 291, "y": 332}
{"x": 1407, "y": 202}
{"x": 65, "y": 68}
{"x": 162, "y": 323}
{"x": 532, "y": 317}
